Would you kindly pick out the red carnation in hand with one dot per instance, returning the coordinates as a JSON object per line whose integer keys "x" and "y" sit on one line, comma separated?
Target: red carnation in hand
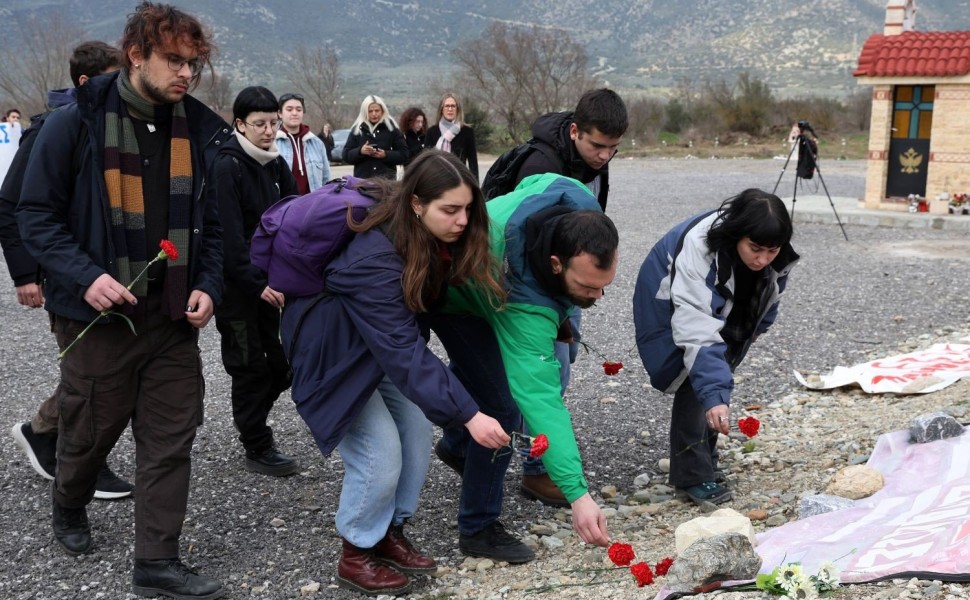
{"x": 664, "y": 566}
{"x": 540, "y": 444}
{"x": 171, "y": 252}
{"x": 749, "y": 426}
{"x": 612, "y": 368}
{"x": 621, "y": 554}
{"x": 641, "y": 571}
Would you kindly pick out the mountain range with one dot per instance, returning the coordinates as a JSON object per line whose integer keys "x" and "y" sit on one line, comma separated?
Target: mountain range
{"x": 394, "y": 47}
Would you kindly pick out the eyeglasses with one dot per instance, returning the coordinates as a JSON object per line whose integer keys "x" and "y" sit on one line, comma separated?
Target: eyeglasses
{"x": 176, "y": 62}
{"x": 261, "y": 125}
{"x": 287, "y": 97}
{"x": 449, "y": 106}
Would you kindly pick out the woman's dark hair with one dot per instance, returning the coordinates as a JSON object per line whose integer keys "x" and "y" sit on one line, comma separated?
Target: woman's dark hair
{"x": 253, "y": 99}
{"x": 428, "y": 177}
{"x": 754, "y": 214}
{"x": 408, "y": 117}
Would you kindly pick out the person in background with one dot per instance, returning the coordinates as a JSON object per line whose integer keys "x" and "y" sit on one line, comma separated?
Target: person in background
{"x": 414, "y": 124}
{"x": 38, "y": 437}
{"x": 326, "y": 135}
{"x": 451, "y": 134}
{"x": 370, "y": 384}
{"x": 11, "y": 116}
{"x": 375, "y": 145}
{"x": 247, "y": 177}
{"x": 301, "y": 148}
{"x": 93, "y": 213}
{"x": 704, "y": 294}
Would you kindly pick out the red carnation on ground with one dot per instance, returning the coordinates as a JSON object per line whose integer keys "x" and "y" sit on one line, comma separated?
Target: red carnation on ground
{"x": 621, "y": 554}
{"x": 171, "y": 252}
{"x": 664, "y": 566}
{"x": 540, "y": 444}
{"x": 749, "y": 426}
{"x": 612, "y": 368}
{"x": 641, "y": 571}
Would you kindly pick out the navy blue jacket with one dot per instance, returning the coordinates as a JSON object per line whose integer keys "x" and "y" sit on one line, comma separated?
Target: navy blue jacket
{"x": 64, "y": 216}
{"x": 353, "y": 337}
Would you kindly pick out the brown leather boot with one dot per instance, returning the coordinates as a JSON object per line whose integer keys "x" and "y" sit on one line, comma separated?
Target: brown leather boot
{"x": 541, "y": 488}
{"x": 395, "y": 550}
{"x": 359, "y": 571}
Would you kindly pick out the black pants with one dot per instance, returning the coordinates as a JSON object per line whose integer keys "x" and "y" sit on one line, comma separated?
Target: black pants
{"x": 693, "y": 445}
{"x": 253, "y": 358}
{"x": 153, "y": 380}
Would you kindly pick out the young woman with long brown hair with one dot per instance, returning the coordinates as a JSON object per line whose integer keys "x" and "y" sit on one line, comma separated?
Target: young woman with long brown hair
{"x": 363, "y": 378}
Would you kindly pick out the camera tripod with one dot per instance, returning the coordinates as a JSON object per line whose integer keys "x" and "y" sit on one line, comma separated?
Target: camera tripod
{"x": 801, "y": 142}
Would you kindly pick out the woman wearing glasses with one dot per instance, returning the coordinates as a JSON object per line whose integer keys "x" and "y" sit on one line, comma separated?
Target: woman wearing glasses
{"x": 301, "y": 148}
{"x": 375, "y": 145}
{"x": 451, "y": 134}
{"x": 247, "y": 177}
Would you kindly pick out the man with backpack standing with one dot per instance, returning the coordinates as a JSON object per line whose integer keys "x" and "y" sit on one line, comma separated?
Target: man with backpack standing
{"x": 38, "y": 437}
{"x": 578, "y": 144}
{"x": 247, "y": 177}
{"x": 93, "y": 224}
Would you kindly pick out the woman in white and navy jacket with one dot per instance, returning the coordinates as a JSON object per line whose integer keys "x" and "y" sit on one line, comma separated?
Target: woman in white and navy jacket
{"x": 705, "y": 292}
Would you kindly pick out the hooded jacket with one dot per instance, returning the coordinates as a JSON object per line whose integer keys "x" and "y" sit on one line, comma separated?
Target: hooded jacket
{"x": 341, "y": 344}
{"x": 317, "y": 166}
{"x": 553, "y": 130}
{"x": 683, "y": 298}
{"x": 243, "y": 189}
{"x": 64, "y": 215}
{"x": 528, "y": 325}
{"x": 20, "y": 264}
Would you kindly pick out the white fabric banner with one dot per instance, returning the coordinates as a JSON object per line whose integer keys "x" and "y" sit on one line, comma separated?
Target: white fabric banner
{"x": 9, "y": 142}
{"x": 918, "y": 372}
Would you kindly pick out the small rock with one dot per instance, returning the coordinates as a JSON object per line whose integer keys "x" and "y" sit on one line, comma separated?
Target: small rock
{"x": 551, "y": 543}
{"x": 758, "y": 514}
{"x": 818, "y": 504}
{"x": 718, "y": 558}
{"x": 608, "y": 491}
{"x": 277, "y": 522}
{"x": 310, "y": 588}
{"x": 857, "y": 481}
{"x": 934, "y": 426}
{"x": 664, "y": 465}
{"x": 724, "y": 520}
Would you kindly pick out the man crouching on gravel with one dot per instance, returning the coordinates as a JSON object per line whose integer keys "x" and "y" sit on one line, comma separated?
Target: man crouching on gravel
{"x": 559, "y": 251}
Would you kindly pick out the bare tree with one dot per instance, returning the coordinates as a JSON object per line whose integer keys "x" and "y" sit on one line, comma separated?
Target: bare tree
{"x": 216, "y": 91}
{"x": 315, "y": 74}
{"x": 36, "y": 54}
{"x": 519, "y": 74}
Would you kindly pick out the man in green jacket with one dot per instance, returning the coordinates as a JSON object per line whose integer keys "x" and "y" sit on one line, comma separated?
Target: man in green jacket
{"x": 558, "y": 251}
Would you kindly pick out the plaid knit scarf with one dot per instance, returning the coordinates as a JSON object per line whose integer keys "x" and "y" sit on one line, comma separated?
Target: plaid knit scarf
{"x": 123, "y": 177}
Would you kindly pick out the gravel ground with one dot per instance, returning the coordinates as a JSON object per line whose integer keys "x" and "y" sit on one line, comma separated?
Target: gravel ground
{"x": 274, "y": 539}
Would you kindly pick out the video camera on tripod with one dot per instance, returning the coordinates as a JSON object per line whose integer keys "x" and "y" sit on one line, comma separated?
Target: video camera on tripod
{"x": 807, "y": 145}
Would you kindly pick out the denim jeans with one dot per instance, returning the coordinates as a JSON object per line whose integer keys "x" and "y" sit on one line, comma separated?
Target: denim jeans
{"x": 566, "y": 355}
{"x": 386, "y": 454}
{"x": 476, "y": 360}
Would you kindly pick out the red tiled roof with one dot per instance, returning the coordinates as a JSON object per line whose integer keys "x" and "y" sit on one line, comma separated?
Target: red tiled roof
{"x": 916, "y": 54}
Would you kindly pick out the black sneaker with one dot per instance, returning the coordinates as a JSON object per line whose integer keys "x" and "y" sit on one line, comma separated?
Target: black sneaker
{"x": 40, "y": 448}
{"x": 171, "y": 578}
{"x": 71, "y": 528}
{"x": 457, "y": 463}
{"x": 271, "y": 462}
{"x": 708, "y": 491}
{"x": 111, "y": 487}
{"x": 494, "y": 542}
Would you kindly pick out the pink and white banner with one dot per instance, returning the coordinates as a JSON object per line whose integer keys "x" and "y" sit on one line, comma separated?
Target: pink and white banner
{"x": 914, "y": 373}
{"x": 918, "y": 525}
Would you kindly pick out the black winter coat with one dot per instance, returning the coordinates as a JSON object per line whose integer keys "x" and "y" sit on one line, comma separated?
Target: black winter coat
{"x": 243, "y": 190}
{"x": 553, "y": 129}
{"x": 463, "y": 146}
{"x": 390, "y": 141}
{"x": 64, "y": 216}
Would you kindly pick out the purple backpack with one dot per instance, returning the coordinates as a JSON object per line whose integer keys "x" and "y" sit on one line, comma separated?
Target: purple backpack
{"x": 298, "y": 236}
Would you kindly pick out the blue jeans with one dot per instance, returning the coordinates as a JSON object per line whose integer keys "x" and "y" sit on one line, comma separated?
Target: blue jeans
{"x": 386, "y": 454}
{"x": 566, "y": 355}
{"x": 476, "y": 360}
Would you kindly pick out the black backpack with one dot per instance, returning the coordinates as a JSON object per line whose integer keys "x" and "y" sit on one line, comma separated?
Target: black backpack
{"x": 501, "y": 176}
{"x": 807, "y": 155}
